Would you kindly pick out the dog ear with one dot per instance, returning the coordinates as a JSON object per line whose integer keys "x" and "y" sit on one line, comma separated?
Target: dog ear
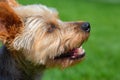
{"x": 12, "y": 3}
{"x": 10, "y": 23}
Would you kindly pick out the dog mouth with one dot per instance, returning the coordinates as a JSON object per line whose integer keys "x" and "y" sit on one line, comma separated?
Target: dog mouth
{"x": 74, "y": 54}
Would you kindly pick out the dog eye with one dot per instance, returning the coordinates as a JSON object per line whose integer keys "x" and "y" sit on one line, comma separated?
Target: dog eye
{"x": 51, "y": 28}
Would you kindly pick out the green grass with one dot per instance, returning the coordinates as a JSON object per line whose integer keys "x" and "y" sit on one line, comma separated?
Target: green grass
{"x": 103, "y": 46}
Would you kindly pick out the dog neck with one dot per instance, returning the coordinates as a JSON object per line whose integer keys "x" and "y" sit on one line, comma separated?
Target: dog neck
{"x": 17, "y": 66}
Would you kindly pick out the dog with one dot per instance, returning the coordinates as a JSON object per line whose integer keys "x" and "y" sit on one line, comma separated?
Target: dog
{"x": 35, "y": 39}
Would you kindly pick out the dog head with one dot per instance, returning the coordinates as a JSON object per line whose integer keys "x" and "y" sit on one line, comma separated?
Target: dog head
{"x": 46, "y": 39}
{"x": 38, "y": 33}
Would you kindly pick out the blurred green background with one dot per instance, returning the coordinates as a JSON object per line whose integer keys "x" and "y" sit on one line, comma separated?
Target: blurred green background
{"x": 103, "y": 47}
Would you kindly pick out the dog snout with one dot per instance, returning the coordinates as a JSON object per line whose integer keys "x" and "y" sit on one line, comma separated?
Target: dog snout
{"x": 85, "y": 26}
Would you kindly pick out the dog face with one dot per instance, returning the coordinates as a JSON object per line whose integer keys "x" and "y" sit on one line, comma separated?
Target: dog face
{"x": 45, "y": 39}
{"x": 48, "y": 40}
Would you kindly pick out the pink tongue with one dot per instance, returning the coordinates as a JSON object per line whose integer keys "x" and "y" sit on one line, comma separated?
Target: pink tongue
{"x": 77, "y": 52}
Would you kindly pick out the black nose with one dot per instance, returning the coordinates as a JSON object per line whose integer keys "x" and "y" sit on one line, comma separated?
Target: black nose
{"x": 85, "y": 27}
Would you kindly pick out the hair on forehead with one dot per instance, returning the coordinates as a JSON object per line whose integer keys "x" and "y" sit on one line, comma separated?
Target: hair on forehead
{"x": 36, "y": 10}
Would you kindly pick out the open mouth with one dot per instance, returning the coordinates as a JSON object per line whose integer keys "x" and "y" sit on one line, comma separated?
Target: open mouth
{"x": 76, "y": 53}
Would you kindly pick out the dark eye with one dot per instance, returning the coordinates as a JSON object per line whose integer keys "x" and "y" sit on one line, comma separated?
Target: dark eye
{"x": 51, "y": 28}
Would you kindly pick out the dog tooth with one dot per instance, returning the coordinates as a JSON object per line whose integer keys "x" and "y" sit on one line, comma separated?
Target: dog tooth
{"x": 81, "y": 47}
{"x": 83, "y": 50}
{"x": 73, "y": 56}
{"x": 79, "y": 50}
